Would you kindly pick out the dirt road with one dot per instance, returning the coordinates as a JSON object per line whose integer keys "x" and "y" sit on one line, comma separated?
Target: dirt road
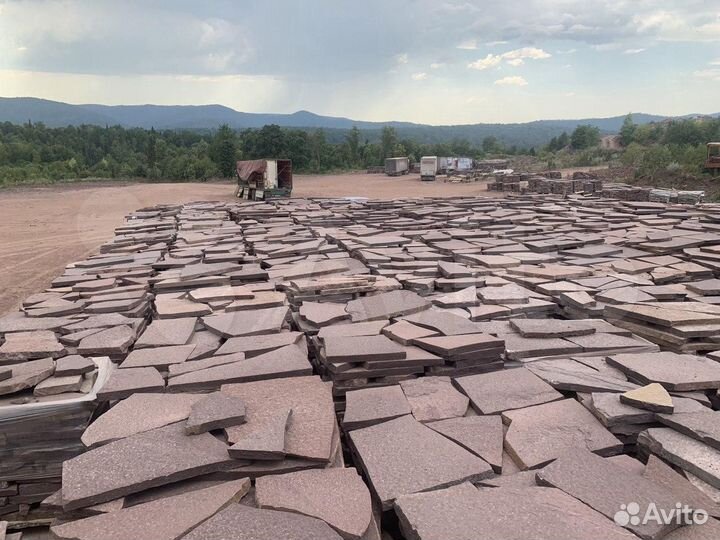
{"x": 42, "y": 229}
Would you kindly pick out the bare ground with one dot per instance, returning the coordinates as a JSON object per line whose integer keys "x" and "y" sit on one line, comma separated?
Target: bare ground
{"x": 42, "y": 229}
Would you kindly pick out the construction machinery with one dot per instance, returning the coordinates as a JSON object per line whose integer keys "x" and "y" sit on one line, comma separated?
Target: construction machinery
{"x": 712, "y": 163}
{"x": 263, "y": 179}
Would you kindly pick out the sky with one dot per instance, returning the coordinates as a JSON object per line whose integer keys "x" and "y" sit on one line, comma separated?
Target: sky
{"x": 425, "y": 61}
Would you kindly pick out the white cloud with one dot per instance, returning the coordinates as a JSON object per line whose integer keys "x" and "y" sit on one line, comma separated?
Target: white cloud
{"x": 527, "y": 52}
{"x": 512, "y": 81}
{"x": 515, "y": 57}
{"x": 469, "y": 45}
{"x": 495, "y": 43}
{"x": 419, "y": 76}
{"x": 603, "y": 47}
{"x": 633, "y": 51}
{"x": 401, "y": 58}
{"x": 715, "y": 62}
{"x": 567, "y": 51}
{"x": 437, "y": 65}
{"x": 568, "y": 94}
{"x": 490, "y": 60}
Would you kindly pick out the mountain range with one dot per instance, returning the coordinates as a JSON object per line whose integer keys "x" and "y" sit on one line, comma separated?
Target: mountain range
{"x": 208, "y": 117}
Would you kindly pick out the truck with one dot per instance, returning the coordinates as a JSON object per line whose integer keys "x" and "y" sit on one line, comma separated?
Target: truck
{"x": 395, "y": 166}
{"x": 263, "y": 179}
{"x": 430, "y": 167}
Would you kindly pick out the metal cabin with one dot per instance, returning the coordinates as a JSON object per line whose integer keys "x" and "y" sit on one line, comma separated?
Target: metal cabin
{"x": 396, "y": 166}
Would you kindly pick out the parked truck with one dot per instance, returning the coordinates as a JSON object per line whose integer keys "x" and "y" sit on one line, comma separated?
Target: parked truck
{"x": 396, "y": 166}
{"x": 262, "y": 179}
{"x": 430, "y": 167}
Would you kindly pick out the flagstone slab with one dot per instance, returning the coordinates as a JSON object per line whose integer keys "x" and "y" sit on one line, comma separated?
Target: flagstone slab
{"x": 605, "y": 486}
{"x": 158, "y": 357}
{"x": 403, "y": 456}
{"x": 138, "y": 413}
{"x": 370, "y": 406}
{"x": 434, "y": 398}
{"x": 168, "y": 518}
{"x": 703, "y": 425}
{"x": 247, "y": 323}
{"x": 481, "y": 435}
{"x": 386, "y": 305}
{"x": 125, "y": 382}
{"x": 139, "y": 462}
{"x": 684, "y": 452}
{"x": 652, "y": 397}
{"x": 568, "y": 374}
{"x": 215, "y": 411}
{"x": 240, "y": 522}
{"x": 674, "y": 371}
{"x": 541, "y": 433}
{"x": 517, "y": 513}
{"x": 162, "y": 333}
{"x": 20, "y": 346}
{"x": 492, "y": 393}
{"x": 111, "y": 341}
{"x": 337, "y": 496}
{"x": 264, "y": 438}
{"x": 26, "y": 375}
{"x": 73, "y": 365}
{"x": 546, "y": 328}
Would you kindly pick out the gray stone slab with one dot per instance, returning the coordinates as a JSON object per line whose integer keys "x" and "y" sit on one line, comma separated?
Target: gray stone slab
{"x": 73, "y": 365}
{"x": 369, "y": 328}
{"x": 445, "y": 322}
{"x": 288, "y": 361}
{"x": 162, "y": 333}
{"x": 370, "y": 406}
{"x": 247, "y": 323}
{"x": 196, "y": 365}
{"x": 338, "y": 496}
{"x": 403, "y": 456}
{"x": 386, "y": 305}
{"x": 255, "y": 345}
{"x": 263, "y": 438}
{"x": 138, "y": 413}
{"x": 674, "y": 371}
{"x": 362, "y": 349}
{"x": 27, "y": 375}
{"x": 492, "y": 393}
{"x": 520, "y": 348}
{"x": 111, "y": 341}
{"x": 611, "y": 411}
{"x": 404, "y": 332}
{"x": 452, "y": 346}
{"x": 323, "y": 314}
{"x": 20, "y": 346}
{"x": 215, "y": 411}
{"x": 508, "y": 513}
{"x": 310, "y": 433}
{"x": 241, "y": 522}
{"x": 481, "y": 435}
{"x": 158, "y": 357}
{"x": 605, "y": 486}
{"x": 168, "y": 518}
{"x": 125, "y": 382}
{"x": 434, "y": 398}
{"x": 681, "y": 488}
{"x": 684, "y": 452}
{"x": 567, "y": 374}
{"x": 703, "y": 425}
{"x": 55, "y": 385}
{"x": 139, "y": 462}
{"x": 540, "y": 328}
{"x": 541, "y": 433}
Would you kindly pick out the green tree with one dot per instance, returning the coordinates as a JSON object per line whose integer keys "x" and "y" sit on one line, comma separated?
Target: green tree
{"x": 388, "y": 141}
{"x": 223, "y": 151}
{"x": 585, "y": 136}
{"x": 627, "y": 131}
{"x": 352, "y": 140}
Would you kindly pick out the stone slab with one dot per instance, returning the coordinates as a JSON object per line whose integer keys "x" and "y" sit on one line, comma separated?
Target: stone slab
{"x": 434, "y": 398}
{"x": 215, "y": 411}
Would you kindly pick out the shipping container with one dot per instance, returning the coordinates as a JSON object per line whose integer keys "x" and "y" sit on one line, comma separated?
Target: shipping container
{"x": 429, "y": 167}
{"x": 397, "y": 165}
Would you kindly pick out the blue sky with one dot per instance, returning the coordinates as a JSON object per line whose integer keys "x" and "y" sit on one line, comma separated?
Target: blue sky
{"x": 439, "y": 62}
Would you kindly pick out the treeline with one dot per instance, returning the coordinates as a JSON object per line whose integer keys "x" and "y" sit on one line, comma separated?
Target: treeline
{"x": 33, "y": 152}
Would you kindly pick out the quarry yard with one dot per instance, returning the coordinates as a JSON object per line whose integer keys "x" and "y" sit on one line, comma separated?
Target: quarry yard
{"x": 45, "y": 228}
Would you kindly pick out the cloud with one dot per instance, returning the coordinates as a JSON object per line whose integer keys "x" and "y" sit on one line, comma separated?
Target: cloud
{"x": 512, "y": 81}
{"x": 437, "y": 65}
{"x": 419, "y": 76}
{"x": 568, "y": 94}
{"x": 401, "y": 58}
{"x": 489, "y": 61}
{"x": 515, "y": 57}
{"x": 496, "y": 43}
{"x": 633, "y": 51}
{"x": 715, "y": 62}
{"x": 603, "y": 47}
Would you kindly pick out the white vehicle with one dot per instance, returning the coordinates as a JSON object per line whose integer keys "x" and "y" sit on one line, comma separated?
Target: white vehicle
{"x": 429, "y": 167}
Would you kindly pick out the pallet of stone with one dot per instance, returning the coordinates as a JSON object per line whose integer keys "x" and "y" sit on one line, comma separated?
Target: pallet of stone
{"x": 41, "y": 429}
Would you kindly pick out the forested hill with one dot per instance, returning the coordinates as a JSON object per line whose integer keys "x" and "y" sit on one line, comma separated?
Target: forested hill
{"x": 209, "y": 117}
